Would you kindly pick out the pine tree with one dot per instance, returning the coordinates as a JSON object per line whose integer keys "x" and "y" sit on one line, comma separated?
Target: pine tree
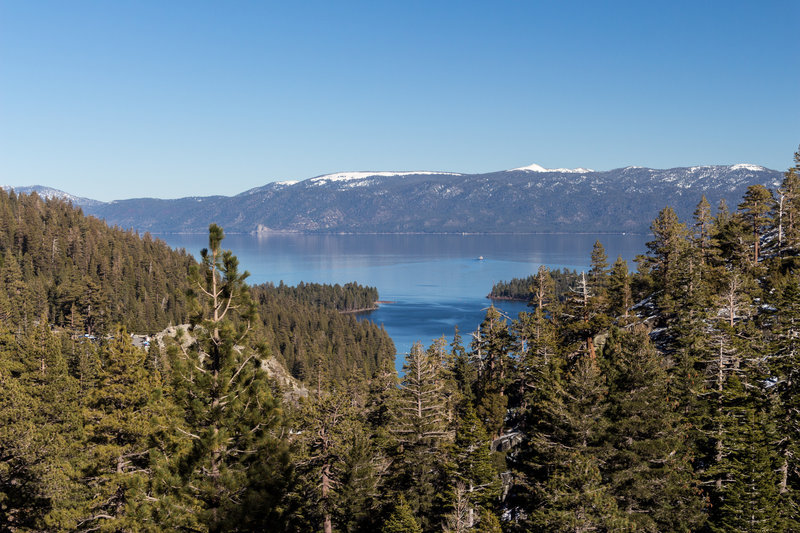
{"x": 94, "y": 308}
{"x": 746, "y": 495}
{"x": 785, "y": 367}
{"x": 118, "y": 412}
{"x": 740, "y": 455}
{"x": 337, "y": 470}
{"x": 382, "y": 398}
{"x": 584, "y": 315}
{"x": 683, "y": 268}
{"x": 362, "y": 491}
{"x": 787, "y": 208}
{"x": 402, "y": 519}
{"x": 463, "y": 371}
{"x": 15, "y": 290}
{"x": 421, "y": 432}
{"x": 598, "y": 286}
{"x": 561, "y": 465}
{"x": 443, "y": 358}
{"x": 539, "y": 389}
{"x": 543, "y": 289}
{"x": 230, "y": 411}
{"x": 40, "y": 434}
{"x": 491, "y": 346}
{"x": 619, "y": 290}
{"x": 475, "y": 471}
{"x": 599, "y": 265}
{"x": 755, "y": 208}
{"x": 23, "y": 502}
{"x": 702, "y": 234}
{"x": 462, "y": 518}
{"x": 573, "y": 498}
{"x": 667, "y": 259}
{"x": 647, "y": 460}
{"x": 488, "y": 523}
{"x": 540, "y": 365}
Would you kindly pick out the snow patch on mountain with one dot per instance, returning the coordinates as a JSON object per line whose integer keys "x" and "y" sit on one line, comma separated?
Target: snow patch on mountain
{"x": 538, "y": 168}
{"x": 349, "y": 176}
{"x": 747, "y": 166}
{"x": 709, "y": 177}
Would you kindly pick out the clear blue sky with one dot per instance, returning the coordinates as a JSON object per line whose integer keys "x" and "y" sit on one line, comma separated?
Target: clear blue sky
{"x": 118, "y": 99}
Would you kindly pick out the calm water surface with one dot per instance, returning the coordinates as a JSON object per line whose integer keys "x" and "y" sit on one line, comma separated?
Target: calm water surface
{"x": 434, "y": 281}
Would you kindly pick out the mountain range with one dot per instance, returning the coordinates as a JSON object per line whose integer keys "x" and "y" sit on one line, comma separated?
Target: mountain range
{"x": 522, "y": 200}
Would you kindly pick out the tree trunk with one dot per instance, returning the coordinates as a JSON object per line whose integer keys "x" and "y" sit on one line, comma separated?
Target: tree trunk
{"x": 784, "y": 476}
{"x": 327, "y": 525}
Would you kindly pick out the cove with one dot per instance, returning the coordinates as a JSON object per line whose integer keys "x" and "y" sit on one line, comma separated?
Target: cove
{"x": 434, "y": 281}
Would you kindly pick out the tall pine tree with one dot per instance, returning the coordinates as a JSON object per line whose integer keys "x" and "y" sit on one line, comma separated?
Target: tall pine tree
{"x": 234, "y": 469}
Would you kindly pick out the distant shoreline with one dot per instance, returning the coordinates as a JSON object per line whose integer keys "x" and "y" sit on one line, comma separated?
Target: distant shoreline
{"x": 506, "y": 298}
{"x": 463, "y": 233}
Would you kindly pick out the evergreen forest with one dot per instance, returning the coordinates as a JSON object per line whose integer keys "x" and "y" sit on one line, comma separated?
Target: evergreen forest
{"x": 522, "y": 289}
{"x": 658, "y": 399}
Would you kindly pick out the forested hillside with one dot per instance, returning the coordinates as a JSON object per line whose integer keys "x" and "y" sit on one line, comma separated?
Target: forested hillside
{"x": 306, "y": 328}
{"x": 63, "y": 268}
{"x": 660, "y": 400}
{"x": 78, "y": 275}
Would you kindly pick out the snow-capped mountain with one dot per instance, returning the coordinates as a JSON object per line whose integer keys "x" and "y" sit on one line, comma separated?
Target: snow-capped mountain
{"x": 351, "y": 176}
{"x": 49, "y": 192}
{"x": 525, "y": 199}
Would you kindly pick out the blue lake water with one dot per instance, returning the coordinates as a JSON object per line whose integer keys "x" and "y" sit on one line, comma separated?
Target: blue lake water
{"x": 434, "y": 281}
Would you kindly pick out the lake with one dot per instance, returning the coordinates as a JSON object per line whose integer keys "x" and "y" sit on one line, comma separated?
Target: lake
{"x": 434, "y": 282}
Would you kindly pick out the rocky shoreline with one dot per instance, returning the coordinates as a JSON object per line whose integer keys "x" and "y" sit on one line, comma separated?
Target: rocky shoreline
{"x": 366, "y": 309}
